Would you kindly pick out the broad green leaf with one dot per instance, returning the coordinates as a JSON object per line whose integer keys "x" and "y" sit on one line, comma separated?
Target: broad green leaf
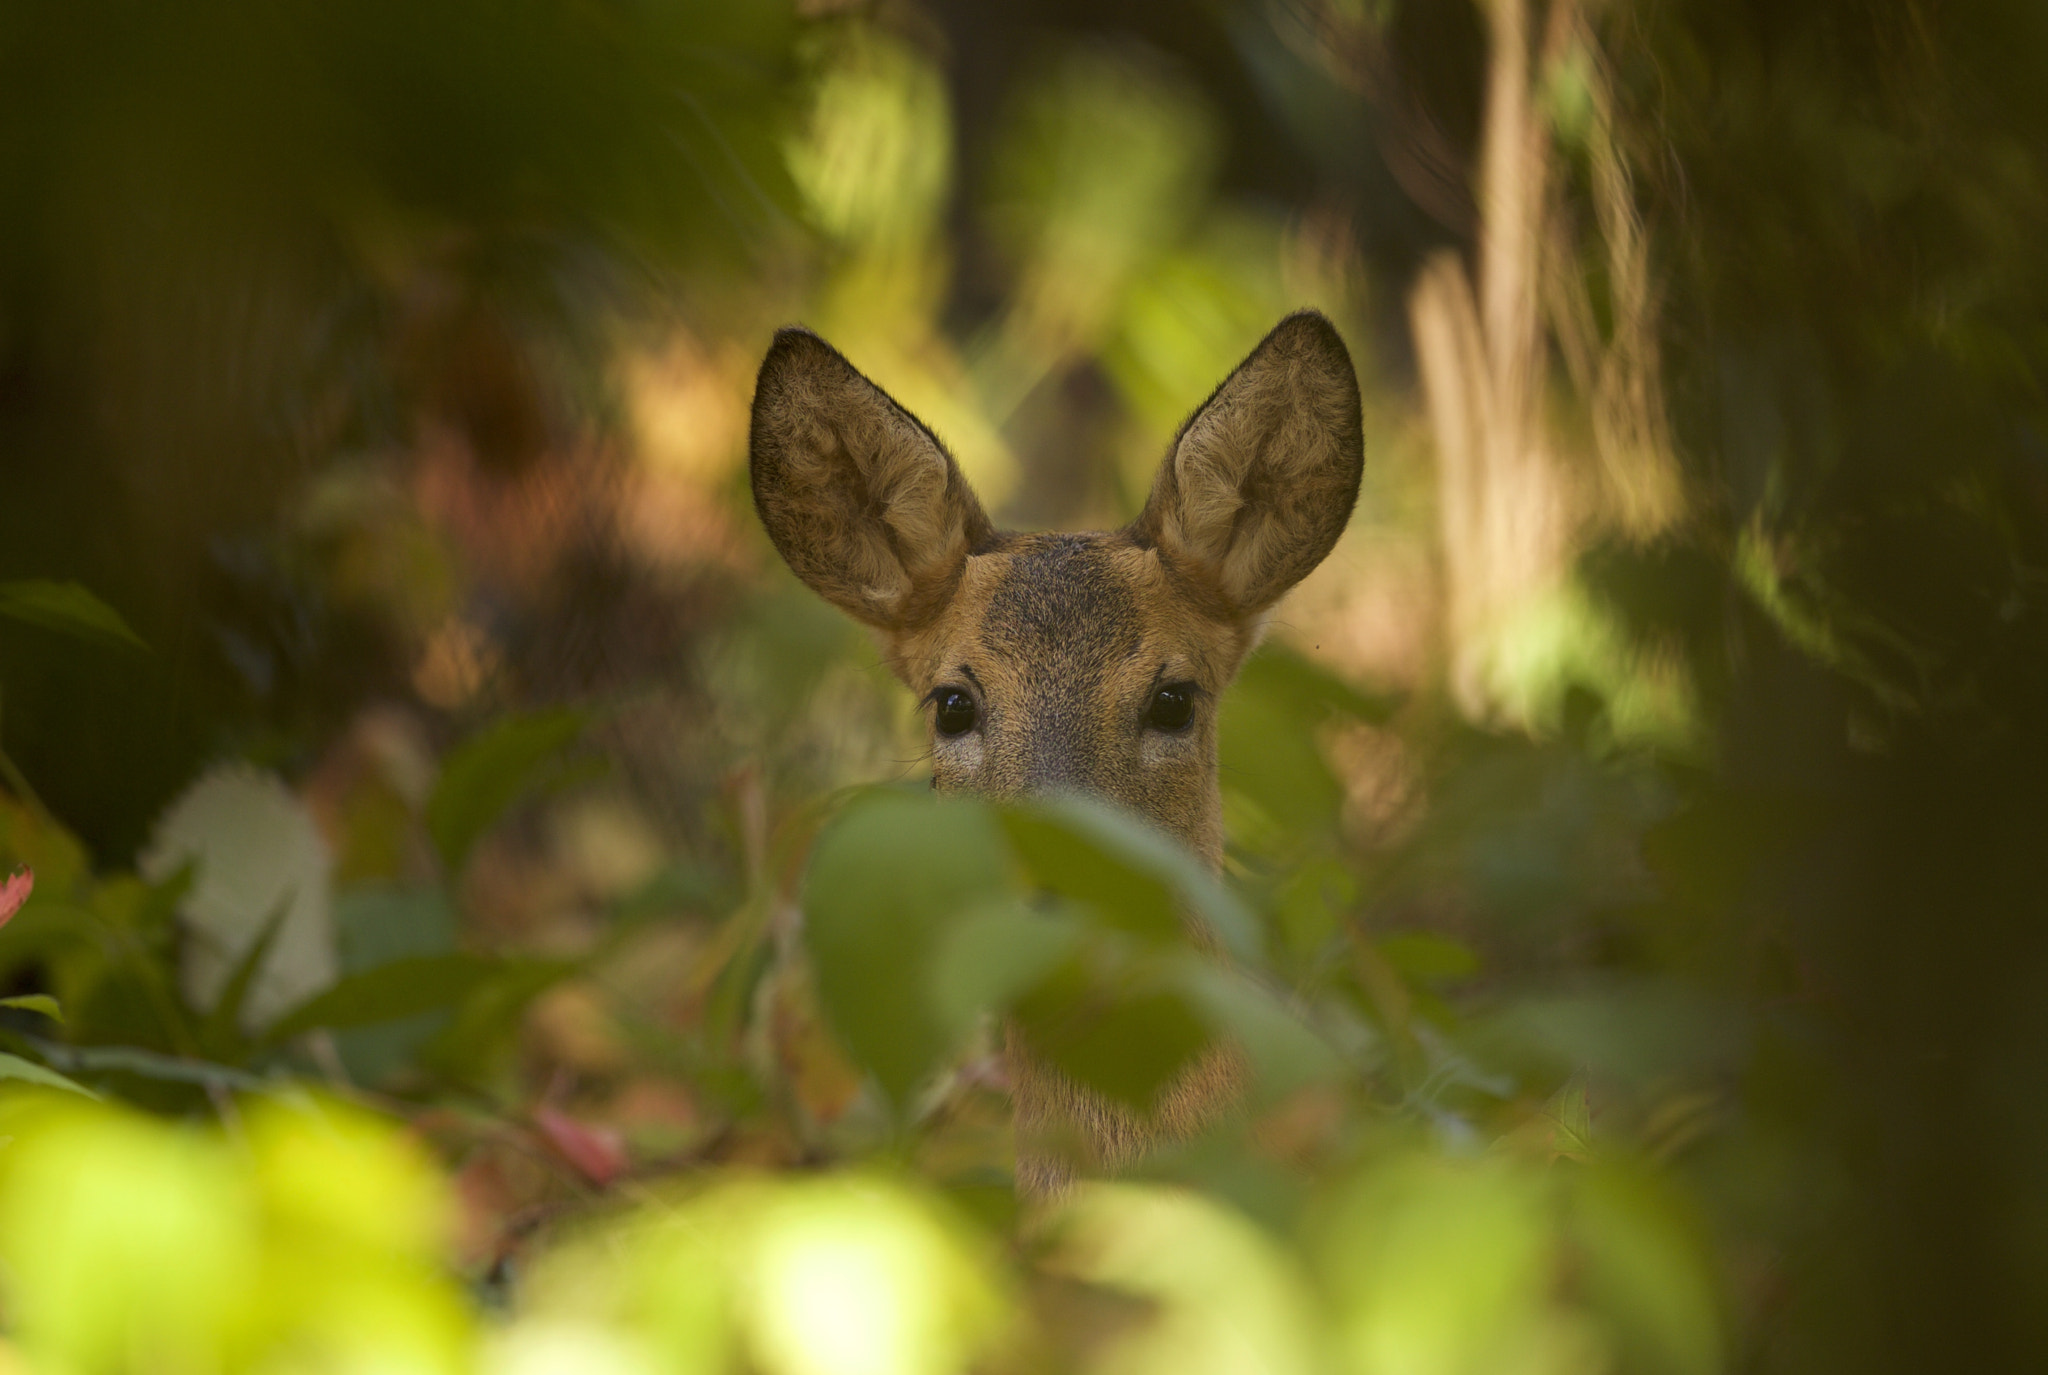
{"x": 888, "y": 878}
{"x": 1440, "y": 1264}
{"x": 1268, "y": 738}
{"x": 995, "y": 953}
{"x": 402, "y": 988}
{"x": 1071, "y": 855}
{"x": 493, "y": 769}
{"x": 29, "y": 1072}
{"x": 36, "y": 1002}
{"x": 1114, "y": 1019}
{"x": 1221, "y": 1294}
{"x": 122, "y": 1234}
{"x": 1285, "y": 1051}
{"x": 1270, "y": 759}
{"x": 66, "y": 607}
{"x": 1136, "y": 876}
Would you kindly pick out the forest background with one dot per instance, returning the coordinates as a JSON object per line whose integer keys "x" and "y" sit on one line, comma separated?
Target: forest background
{"x": 465, "y": 932}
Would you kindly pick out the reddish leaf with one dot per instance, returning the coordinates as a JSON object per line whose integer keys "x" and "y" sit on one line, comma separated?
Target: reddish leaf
{"x": 14, "y": 892}
{"x": 598, "y": 1153}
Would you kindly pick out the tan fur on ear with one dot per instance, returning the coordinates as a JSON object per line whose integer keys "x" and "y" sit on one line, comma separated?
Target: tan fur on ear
{"x": 1261, "y": 480}
{"x": 860, "y": 499}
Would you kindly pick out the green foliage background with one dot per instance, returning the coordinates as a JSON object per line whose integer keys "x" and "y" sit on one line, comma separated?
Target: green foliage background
{"x": 487, "y": 916}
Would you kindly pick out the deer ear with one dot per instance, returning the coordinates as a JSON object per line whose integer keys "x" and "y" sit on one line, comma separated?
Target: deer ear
{"x": 1261, "y": 480}
{"x": 859, "y": 498}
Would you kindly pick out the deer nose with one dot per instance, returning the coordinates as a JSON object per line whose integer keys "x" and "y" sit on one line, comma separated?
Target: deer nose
{"x": 1062, "y": 755}
{"x": 1047, "y": 772}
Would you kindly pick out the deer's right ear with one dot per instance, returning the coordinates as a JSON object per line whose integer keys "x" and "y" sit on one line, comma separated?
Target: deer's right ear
{"x": 1261, "y": 480}
{"x": 859, "y": 498}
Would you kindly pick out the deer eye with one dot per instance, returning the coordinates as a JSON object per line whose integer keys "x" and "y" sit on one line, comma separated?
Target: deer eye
{"x": 955, "y": 713}
{"x": 1173, "y": 706}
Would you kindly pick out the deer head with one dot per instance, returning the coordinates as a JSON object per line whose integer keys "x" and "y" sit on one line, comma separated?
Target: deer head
{"x": 1088, "y": 662}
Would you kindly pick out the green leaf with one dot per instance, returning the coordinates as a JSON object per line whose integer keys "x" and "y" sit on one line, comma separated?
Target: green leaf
{"x": 1115, "y": 1020}
{"x": 218, "y": 1033}
{"x": 490, "y": 1011}
{"x": 1647, "y": 1266}
{"x": 1137, "y": 877}
{"x": 888, "y": 879}
{"x": 1635, "y": 1030}
{"x": 149, "y": 1064}
{"x": 28, "y": 1071}
{"x": 375, "y": 925}
{"x": 402, "y": 988}
{"x": 1079, "y": 857}
{"x": 994, "y": 954}
{"x": 1268, "y": 737}
{"x": 1571, "y": 1116}
{"x": 489, "y": 772}
{"x": 1422, "y": 957}
{"x": 36, "y": 1002}
{"x": 69, "y": 608}
{"x": 1286, "y": 1052}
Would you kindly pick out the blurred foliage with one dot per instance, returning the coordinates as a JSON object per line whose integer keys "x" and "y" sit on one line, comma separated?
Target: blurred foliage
{"x": 464, "y": 930}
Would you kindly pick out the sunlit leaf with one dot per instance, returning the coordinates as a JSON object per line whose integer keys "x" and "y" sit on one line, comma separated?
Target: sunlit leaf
{"x": 807, "y": 1275}
{"x": 67, "y": 607}
{"x": 1648, "y": 1269}
{"x": 36, "y": 1002}
{"x": 876, "y": 159}
{"x": 121, "y": 1234}
{"x": 1222, "y": 1297}
{"x": 1440, "y": 1266}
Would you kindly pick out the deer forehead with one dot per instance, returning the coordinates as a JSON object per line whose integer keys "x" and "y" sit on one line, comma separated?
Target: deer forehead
{"x": 1091, "y": 615}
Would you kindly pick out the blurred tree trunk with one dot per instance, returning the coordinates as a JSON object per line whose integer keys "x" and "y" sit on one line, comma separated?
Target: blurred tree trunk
{"x": 1514, "y": 499}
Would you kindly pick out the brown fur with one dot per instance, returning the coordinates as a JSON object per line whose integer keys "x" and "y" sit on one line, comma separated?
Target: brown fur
{"x": 1062, "y": 639}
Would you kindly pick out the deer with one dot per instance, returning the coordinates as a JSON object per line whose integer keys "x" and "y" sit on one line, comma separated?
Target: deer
{"x": 1087, "y": 662}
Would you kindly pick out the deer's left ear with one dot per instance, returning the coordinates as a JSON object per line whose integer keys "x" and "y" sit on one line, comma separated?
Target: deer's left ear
{"x": 1261, "y": 480}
